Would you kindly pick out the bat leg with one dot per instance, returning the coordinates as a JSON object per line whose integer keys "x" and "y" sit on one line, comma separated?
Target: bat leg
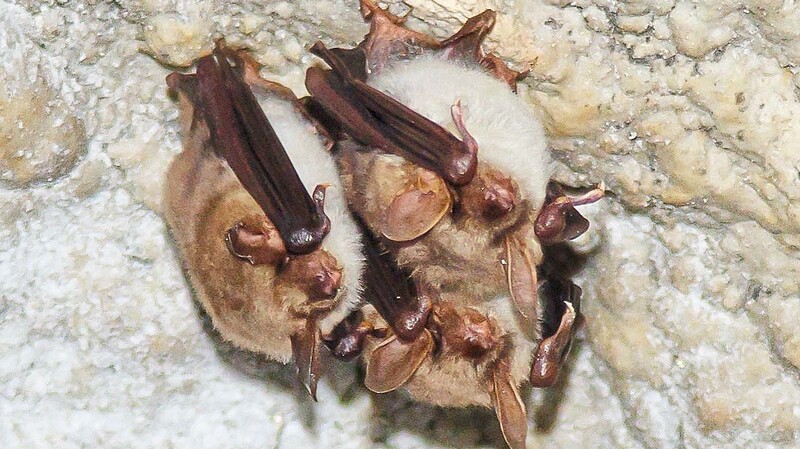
{"x": 558, "y": 220}
{"x": 392, "y": 363}
{"x": 305, "y": 352}
{"x": 552, "y": 351}
{"x": 509, "y": 407}
{"x": 256, "y": 240}
{"x": 417, "y": 209}
{"x": 388, "y": 39}
{"x": 521, "y": 277}
{"x": 346, "y": 340}
{"x": 503, "y": 72}
{"x": 466, "y": 43}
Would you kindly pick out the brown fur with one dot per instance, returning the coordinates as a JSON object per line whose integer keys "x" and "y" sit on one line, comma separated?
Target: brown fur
{"x": 255, "y": 306}
{"x": 459, "y": 249}
{"x": 204, "y": 199}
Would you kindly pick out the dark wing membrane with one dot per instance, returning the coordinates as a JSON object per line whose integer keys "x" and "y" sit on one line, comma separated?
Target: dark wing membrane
{"x": 391, "y": 291}
{"x": 466, "y": 43}
{"x": 402, "y": 131}
{"x": 245, "y": 139}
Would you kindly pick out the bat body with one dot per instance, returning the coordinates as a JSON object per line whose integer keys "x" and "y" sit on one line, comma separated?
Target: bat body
{"x": 449, "y": 172}
{"x": 446, "y": 173}
{"x": 464, "y": 244}
{"x": 269, "y": 301}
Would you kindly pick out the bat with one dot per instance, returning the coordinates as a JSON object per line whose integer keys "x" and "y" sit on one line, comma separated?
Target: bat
{"x": 449, "y": 173}
{"x": 256, "y": 208}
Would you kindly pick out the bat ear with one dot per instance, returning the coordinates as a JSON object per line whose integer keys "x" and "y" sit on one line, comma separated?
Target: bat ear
{"x": 509, "y": 408}
{"x": 559, "y": 221}
{"x": 416, "y": 210}
{"x": 256, "y": 240}
{"x": 552, "y": 350}
{"x": 394, "y": 361}
{"x": 521, "y": 277}
{"x": 305, "y": 352}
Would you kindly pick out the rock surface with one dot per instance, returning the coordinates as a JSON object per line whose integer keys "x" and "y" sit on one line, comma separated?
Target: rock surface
{"x": 689, "y": 111}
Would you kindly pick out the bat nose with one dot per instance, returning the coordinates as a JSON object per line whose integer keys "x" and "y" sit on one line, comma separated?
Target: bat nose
{"x": 318, "y": 274}
{"x": 490, "y": 195}
{"x": 326, "y": 283}
{"x": 498, "y": 201}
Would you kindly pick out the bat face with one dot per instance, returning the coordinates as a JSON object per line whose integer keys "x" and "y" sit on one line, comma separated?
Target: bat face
{"x": 270, "y": 250}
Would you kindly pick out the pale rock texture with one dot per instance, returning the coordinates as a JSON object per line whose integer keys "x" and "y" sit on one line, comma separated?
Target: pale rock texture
{"x": 688, "y": 111}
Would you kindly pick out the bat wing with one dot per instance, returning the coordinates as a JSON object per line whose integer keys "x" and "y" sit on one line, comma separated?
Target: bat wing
{"x": 244, "y": 137}
{"x": 374, "y": 118}
{"x": 392, "y": 292}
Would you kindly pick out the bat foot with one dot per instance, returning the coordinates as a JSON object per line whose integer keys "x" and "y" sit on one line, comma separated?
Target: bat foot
{"x": 466, "y": 43}
{"x": 388, "y": 39}
{"x": 256, "y": 240}
{"x": 497, "y": 67}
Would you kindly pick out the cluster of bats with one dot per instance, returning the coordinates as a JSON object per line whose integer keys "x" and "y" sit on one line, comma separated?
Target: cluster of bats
{"x": 399, "y": 213}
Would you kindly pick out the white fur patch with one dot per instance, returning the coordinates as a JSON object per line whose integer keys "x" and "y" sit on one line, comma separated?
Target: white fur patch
{"x": 509, "y": 135}
{"x": 315, "y": 165}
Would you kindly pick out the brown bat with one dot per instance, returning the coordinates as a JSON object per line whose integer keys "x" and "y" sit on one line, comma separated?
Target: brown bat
{"x": 449, "y": 169}
{"x": 274, "y": 266}
{"x": 455, "y": 348}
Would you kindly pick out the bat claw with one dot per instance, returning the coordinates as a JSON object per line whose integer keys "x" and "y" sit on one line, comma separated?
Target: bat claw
{"x": 501, "y": 71}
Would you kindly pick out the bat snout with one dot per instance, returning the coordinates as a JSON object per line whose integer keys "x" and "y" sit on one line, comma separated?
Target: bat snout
{"x": 318, "y": 275}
